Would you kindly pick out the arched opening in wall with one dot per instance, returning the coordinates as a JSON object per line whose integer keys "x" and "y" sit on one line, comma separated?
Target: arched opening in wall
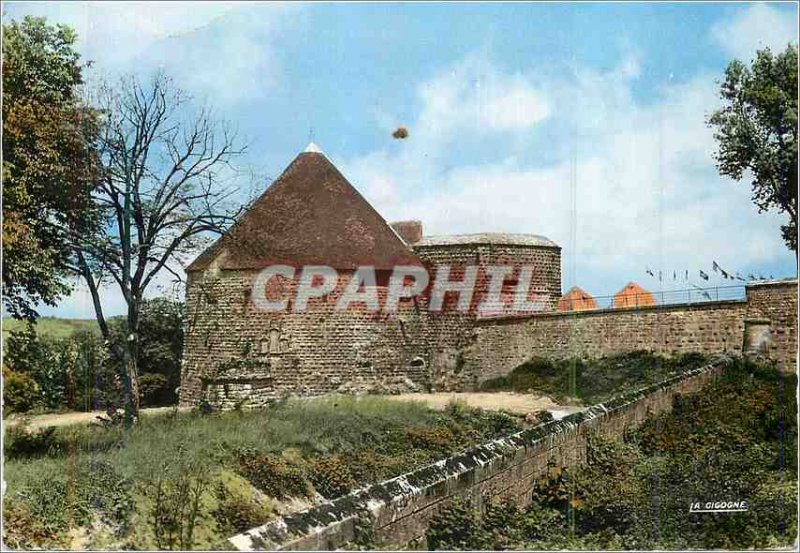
{"x": 418, "y": 370}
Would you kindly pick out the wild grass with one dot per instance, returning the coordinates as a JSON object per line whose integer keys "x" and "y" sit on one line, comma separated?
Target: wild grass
{"x": 325, "y": 446}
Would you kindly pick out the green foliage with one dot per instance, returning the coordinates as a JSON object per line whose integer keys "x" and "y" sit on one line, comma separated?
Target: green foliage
{"x": 757, "y": 131}
{"x": 160, "y": 341}
{"x": 595, "y": 380}
{"x": 19, "y": 391}
{"x": 237, "y": 509}
{"x": 154, "y": 389}
{"x": 49, "y": 162}
{"x": 22, "y": 443}
{"x": 274, "y": 475}
{"x": 48, "y": 502}
{"x": 334, "y": 445}
{"x": 733, "y": 440}
{"x": 65, "y": 370}
{"x": 52, "y": 327}
{"x": 72, "y": 369}
{"x": 454, "y": 528}
{"x": 460, "y": 526}
{"x": 331, "y": 476}
{"x": 176, "y": 492}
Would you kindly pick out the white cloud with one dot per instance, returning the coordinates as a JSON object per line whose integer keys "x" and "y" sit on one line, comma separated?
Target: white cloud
{"x": 473, "y": 95}
{"x": 755, "y": 27}
{"x": 113, "y": 32}
{"x": 646, "y": 188}
{"x": 217, "y": 50}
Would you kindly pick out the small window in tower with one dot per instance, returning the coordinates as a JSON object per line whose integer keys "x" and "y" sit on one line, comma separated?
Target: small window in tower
{"x": 274, "y": 341}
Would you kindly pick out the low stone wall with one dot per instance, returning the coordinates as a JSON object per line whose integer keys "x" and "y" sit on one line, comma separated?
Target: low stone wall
{"x": 503, "y": 344}
{"x": 500, "y": 345}
{"x": 399, "y": 510}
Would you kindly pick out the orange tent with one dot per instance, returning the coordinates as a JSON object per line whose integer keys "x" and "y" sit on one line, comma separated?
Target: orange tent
{"x": 576, "y": 300}
{"x": 633, "y": 295}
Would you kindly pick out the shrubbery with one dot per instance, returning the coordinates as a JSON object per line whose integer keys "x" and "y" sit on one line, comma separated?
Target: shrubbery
{"x": 196, "y": 480}
{"x": 733, "y": 440}
{"x": 19, "y": 391}
{"x": 75, "y": 372}
{"x": 274, "y": 475}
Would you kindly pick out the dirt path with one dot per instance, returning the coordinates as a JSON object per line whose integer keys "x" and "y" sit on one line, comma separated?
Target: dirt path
{"x": 521, "y": 404}
{"x": 64, "y": 419}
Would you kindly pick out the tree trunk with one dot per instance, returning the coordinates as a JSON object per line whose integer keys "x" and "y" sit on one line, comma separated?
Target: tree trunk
{"x": 131, "y": 376}
{"x": 130, "y": 366}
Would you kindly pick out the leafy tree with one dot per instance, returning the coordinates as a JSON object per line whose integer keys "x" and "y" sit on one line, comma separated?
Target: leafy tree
{"x": 162, "y": 191}
{"x": 49, "y": 162}
{"x": 757, "y": 131}
{"x": 160, "y": 345}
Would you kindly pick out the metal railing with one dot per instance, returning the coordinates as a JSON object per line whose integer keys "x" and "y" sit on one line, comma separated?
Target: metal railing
{"x": 650, "y": 299}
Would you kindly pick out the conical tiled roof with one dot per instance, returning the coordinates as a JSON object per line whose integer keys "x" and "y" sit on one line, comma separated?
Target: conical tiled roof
{"x": 310, "y": 215}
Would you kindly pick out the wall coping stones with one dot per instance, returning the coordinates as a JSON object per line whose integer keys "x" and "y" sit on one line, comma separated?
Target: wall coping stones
{"x": 313, "y": 523}
{"x": 487, "y": 239}
{"x": 607, "y": 310}
{"x": 790, "y": 281}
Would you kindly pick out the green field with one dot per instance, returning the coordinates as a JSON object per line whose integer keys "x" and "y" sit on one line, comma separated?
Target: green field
{"x": 51, "y": 327}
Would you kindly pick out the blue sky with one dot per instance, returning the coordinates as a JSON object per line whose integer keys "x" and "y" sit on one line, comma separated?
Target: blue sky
{"x": 581, "y": 122}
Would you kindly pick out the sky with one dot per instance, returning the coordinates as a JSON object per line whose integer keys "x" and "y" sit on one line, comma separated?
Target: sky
{"x": 581, "y": 122}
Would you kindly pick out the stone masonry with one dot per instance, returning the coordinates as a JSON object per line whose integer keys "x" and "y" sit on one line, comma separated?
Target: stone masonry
{"x": 237, "y": 355}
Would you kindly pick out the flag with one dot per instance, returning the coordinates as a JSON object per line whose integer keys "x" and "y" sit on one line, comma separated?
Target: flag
{"x": 703, "y": 275}
{"x": 687, "y": 274}
{"x": 715, "y": 266}
{"x": 659, "y": 276}
{"x": 649, "y": 272}
{"x": 751, "y": 276}
{"x": 739, "y": 277}
{"x": 674, "y": 275}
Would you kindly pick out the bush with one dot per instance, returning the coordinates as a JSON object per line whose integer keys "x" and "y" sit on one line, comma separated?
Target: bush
{"x": 48, "y": 503}
{"x": 176, "y": 494}
{"x": 154, "y": 390}
{"x": 237, "y": 511}
{"x": 332, "y": 477}
{"x": 23, "y": 530}
{"x": 454, "y": 528}
{"x": 21, "y": 443}
{"x": 274, "y": 475}
{"x": 20, "y": 392}
{"x": 696, "y": 452}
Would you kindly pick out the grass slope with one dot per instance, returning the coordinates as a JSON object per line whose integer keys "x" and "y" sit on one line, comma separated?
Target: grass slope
{"x": 136, "y": 489}
{"x": 52, "y": 327}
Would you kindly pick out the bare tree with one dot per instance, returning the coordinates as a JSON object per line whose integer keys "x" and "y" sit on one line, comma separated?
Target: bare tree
{"x": 162, "y": 192}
